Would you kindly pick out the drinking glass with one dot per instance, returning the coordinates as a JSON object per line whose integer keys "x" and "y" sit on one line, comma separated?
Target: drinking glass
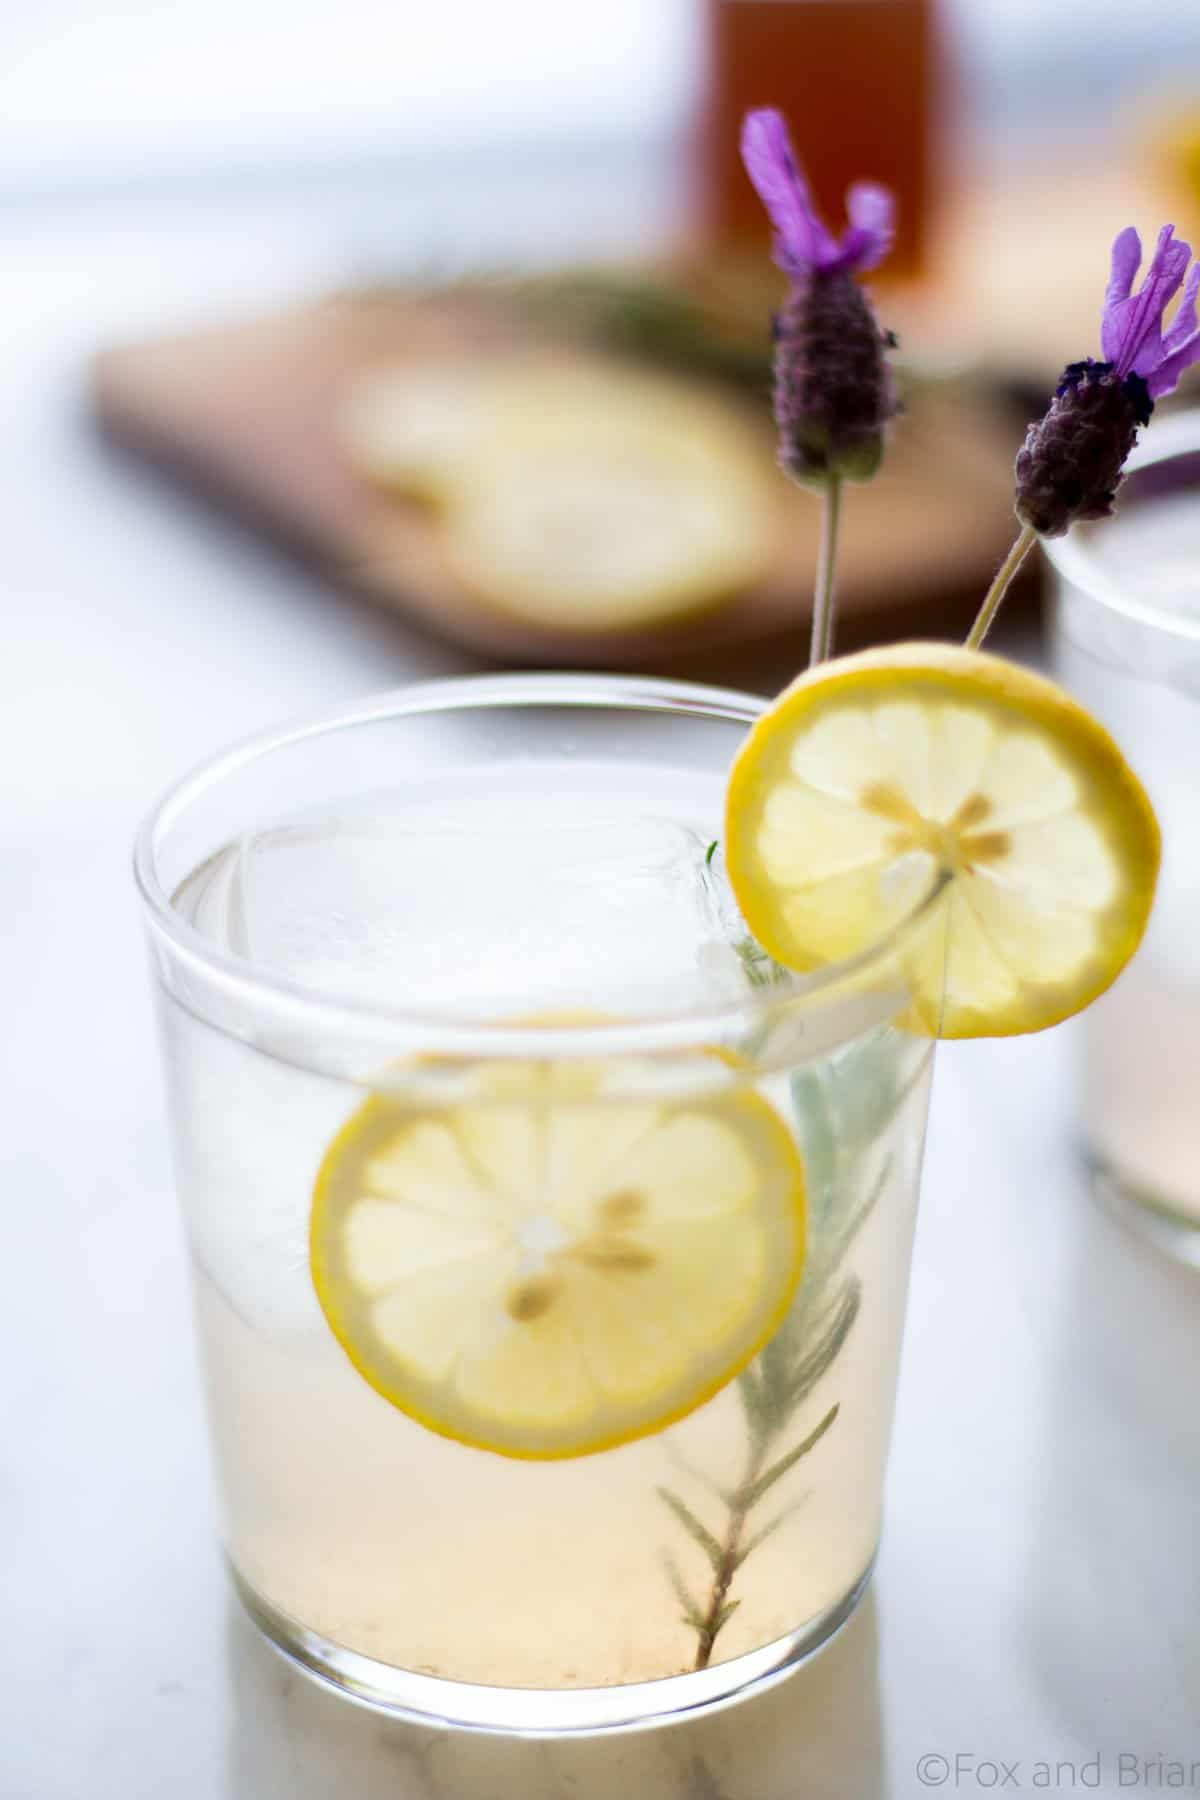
{"x": 507, "y": 893}
{"x": 1126, "y": 596}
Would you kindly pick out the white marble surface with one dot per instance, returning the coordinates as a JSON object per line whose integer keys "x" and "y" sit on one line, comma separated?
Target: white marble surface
{"x": 1038, "y": 1595}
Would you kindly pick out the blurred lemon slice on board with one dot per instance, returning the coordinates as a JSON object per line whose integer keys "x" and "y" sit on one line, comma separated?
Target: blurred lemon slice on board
{"x": 410, "y": 428}
{"x": 564, "y": 536}
{"x": 872, "y": 773}
{"x": 613, "y": 504}
{"x": 543, "y": 1272}
{"x": 573, "y": 493}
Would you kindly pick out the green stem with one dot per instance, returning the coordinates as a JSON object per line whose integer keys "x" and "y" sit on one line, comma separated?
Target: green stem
{"x": 729, "y": 1555}
{"x": 824, "y": 610}
{"x": 730, "y": 1551}
{"x": 995, "y": 594}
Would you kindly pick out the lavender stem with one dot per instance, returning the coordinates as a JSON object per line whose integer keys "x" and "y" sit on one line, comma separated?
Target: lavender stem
{"x": 995, "y": 594}
{"x": 824, "y": 608}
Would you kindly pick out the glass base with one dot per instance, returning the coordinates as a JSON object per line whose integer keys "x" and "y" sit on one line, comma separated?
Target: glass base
{"x": 541, "y": 1712}
{"x": 1141, "y": 1211}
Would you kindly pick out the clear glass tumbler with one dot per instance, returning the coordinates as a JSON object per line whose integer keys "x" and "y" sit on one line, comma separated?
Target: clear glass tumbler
{"x": 549, "y": 1243}
{"x": 1126, "y": 595}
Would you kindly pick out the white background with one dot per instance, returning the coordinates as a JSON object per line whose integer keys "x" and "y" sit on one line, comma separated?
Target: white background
{"x": 139, "y": 89}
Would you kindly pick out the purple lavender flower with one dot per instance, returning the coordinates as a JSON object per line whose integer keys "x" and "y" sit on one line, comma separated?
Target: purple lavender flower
{"x": 1131, "y": 334}
{"x": 833, "y": 388}
{"x": 1071, "y": 463}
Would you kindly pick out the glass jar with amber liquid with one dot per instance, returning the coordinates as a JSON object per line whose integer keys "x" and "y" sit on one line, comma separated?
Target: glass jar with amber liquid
{"x": 859, "y": 81}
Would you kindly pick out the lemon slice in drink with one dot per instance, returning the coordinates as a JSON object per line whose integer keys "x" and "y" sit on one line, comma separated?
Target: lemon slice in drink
{"x": 543, "y": 1272}
{"x": 873, "y": 772}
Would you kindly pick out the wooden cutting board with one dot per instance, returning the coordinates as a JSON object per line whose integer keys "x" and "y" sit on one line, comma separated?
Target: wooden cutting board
{"x": 248, "y": 412}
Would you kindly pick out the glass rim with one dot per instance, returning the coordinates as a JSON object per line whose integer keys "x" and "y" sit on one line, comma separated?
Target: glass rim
{"x": 682, "y": 1029}
{"x": 1075, "y": 562}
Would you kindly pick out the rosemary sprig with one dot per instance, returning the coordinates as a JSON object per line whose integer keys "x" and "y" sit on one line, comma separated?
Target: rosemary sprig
{"x": 657, "y": 318}
{"x": 842, "y": 1113}
{"x": 773, "y": 1390}
{"x": 845, "y": 1107}
{"x": 759, "y": 968}
{"x": 728, "y": 1556}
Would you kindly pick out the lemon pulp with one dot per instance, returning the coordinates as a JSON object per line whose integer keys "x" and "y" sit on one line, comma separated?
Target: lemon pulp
{"x": 873, "y": 773}
{"x": 544, "y": 1272}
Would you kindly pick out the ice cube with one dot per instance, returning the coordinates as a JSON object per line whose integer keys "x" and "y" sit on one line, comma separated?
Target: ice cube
{"x": 513, "y": 892}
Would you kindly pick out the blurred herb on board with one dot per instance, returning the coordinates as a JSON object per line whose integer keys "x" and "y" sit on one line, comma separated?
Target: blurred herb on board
{"x": 721, "y": 334}
{"x": 707, "y": 321}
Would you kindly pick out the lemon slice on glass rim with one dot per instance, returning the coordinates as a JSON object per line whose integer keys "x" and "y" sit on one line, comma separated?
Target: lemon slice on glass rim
{"x": 543, "y": 1271}
{"x": 873, "y": 774}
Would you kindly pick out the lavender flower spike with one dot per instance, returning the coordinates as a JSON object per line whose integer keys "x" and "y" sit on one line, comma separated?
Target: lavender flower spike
{"x": 1072, "y": 461}
{"x": 833, "y": 388}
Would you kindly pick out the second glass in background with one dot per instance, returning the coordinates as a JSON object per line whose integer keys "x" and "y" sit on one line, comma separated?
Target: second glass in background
{"x": 1127, "y": 642}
